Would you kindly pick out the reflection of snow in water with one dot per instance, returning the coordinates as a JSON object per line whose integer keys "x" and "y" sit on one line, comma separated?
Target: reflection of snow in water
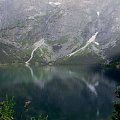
{"x": 31, "y": 70}
{"x": 40, "y": 82}
{"x": 98, "y": 112}
{"x": 92, "y": 88}
{"x": 37, "y": 81}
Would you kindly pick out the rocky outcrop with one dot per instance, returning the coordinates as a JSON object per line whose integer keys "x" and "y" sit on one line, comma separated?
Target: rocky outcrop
{"x": 69, "y": 24}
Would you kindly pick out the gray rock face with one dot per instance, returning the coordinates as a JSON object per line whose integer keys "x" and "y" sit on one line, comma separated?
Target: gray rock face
{"x": 69, "y": 23}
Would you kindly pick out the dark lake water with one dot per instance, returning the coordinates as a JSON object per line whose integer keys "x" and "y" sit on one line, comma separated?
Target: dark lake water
{"x": 62, "y": 93}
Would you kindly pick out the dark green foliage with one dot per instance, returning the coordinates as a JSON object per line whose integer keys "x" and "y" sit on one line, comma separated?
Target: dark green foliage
{"x": 6, "y": 109}
{"x": 40, "y": 117}
{"x": 118, "y": 92}
{"x": 116, "y": 112}
{"x": 114, "y": 65}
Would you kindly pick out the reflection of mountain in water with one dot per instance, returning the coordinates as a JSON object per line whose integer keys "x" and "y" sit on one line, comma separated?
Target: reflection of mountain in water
{"x": 64, "y": 93}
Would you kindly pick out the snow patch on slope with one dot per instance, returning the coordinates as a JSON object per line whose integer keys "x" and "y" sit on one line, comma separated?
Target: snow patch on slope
{"x": 36, "y": 46}
{"x": 98, "y": 13}
{"x": 55, "y": 3}
{"x": 91, "y": 40}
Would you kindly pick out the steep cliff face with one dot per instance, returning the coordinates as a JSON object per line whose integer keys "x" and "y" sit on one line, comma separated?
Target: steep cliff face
{"x": 65, "y": 25}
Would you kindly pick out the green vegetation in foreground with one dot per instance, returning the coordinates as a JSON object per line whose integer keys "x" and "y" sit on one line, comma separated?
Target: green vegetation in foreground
{"x": 7, "y": 110}
{"x": 116, "y": 112}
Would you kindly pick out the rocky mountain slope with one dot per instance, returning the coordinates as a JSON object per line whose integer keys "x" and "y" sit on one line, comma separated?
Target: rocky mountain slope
{"x": 65, "y": 25}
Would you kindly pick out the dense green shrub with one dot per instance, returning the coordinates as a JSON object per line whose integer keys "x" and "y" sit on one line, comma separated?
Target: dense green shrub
{"x": 116, "y": 112}
{"x": 7, "y": 110}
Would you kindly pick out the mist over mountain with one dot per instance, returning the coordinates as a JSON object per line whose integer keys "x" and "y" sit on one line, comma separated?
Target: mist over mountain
{"x": 65, "y": 26}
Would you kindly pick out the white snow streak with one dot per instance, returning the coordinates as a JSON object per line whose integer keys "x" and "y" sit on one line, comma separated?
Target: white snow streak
{"x": 36, "y": 46}
{"x": 55, "y": 3}
{"x": 98, "y": 13}
{"x": 91, "y": 40}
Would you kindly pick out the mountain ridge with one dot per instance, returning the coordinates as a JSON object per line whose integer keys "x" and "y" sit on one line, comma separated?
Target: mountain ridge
{"x": 66, "y": 26}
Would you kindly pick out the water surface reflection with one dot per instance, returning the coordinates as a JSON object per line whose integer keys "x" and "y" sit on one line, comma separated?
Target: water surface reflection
{"x": 64, "y": 93}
